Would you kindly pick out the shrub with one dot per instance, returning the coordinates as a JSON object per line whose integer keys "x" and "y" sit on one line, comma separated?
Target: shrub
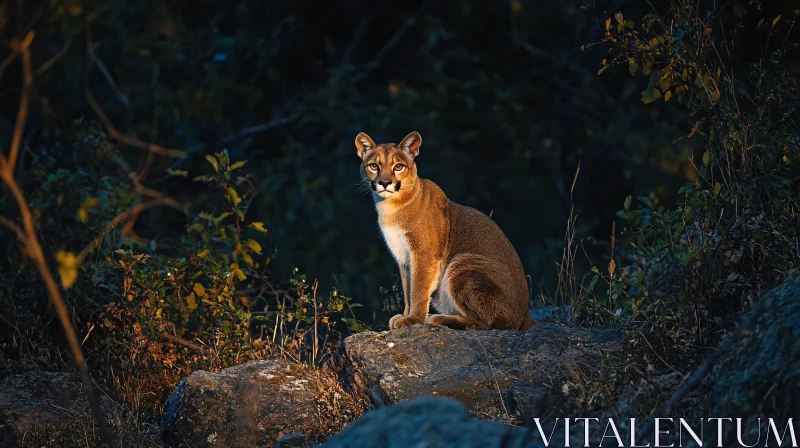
{"x": 151, "y": 310}
{"x": 684, "y": 272}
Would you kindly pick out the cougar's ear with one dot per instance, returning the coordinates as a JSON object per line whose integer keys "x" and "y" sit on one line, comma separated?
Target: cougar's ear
{"x": 411, "y": 144}
{"x": 363, "y": 144}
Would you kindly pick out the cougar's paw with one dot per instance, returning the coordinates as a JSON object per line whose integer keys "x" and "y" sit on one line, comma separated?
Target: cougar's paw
{"x": 400, "y": 321}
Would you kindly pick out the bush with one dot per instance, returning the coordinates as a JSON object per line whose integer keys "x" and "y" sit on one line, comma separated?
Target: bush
{"x": 152, "y": 310}
{"x": 685, "y": 272}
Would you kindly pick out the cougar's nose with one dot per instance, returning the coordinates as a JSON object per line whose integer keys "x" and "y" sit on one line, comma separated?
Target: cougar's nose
{"x": 384, "y": 183}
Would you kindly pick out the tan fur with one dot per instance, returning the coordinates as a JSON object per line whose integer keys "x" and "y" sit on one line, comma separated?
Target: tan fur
{"x": 448, "y": 254}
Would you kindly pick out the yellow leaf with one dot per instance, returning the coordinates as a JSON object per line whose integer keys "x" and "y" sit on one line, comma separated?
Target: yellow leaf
{"x": 776, "y": 20}
{"x": 67, "y": 268}
{"x": 258, "y": 226}
{"x": 608, "y": 24}
{"x": 158, "y": 313}
{"x": 199, "y": 289}
{"x": 83, "y": 215}
{"x": 213, "y": 161}
{"x": 238, "y": 272}
{"x": 91, "y": 202}
{"x": 611, "y": 267}
{"x": 706, "y": 158}
{"x": 233, "y": 196}
{"x": 667, "y": 95}
{"x": 619, "y": 18}
{"x": 191, "y": 302}
{"x": 254, "y": 246}
{"x": 247, "y": 259}
{"x": 237, "y": 165}
{"x": 339, "y": 306}
{"x": 325, "y": 320}
{"x": 202, "y": 253}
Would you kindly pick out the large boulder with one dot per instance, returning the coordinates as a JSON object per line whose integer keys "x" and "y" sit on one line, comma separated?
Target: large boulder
{"x": 256, "y": 404}
{"x": 761, "y": 376}
{"x": 46, "y": 409}
{"x": 428, "y": 422}
{"x": 507, "y": 376}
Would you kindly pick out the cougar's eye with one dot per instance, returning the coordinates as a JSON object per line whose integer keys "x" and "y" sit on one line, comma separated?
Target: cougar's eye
{"x": 399, "y": 167}
{"x": 373, "y": 166}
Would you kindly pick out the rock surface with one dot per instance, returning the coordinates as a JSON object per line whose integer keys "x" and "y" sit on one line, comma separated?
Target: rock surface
{"x": 256, "y": 404}
{"x": 428, "y": 422}
{"x": 498, "y": 375}
{"x": 45, "y": 408}
{"x": 762, "y": 375}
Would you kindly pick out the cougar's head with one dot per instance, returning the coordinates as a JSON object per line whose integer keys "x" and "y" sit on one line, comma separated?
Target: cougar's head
{"x": 389, "y": 168}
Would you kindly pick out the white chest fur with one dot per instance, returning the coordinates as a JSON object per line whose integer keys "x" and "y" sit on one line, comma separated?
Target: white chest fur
{"x": 398, "y": 244}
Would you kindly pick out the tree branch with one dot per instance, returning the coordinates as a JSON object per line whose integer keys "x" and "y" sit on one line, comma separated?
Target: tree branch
{"x": 32, "y": 248}
{"x": 22, "y": 112}
{"x": 391, "y": 43}
{"x": 112, "y": 131}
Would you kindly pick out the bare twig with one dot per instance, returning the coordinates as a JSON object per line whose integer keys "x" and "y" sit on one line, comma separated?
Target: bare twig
{"x": 391, "y": 43}
{"x": 8, "y": 60}
{"x": 112, "y": 131}
{"x": 122, "y": 217}
{"x": 127, "y": 139}
{"x": 52, "y": 61}
{"x": 184, "y": 342}
{"x": 109, "y": 79}
{"x": 244, "y": 133}
{"x": 22, "y": 112}
{"x": 496, "y": 384}
{"x": 13, "y": 227}
{"x": 355, "y": 41}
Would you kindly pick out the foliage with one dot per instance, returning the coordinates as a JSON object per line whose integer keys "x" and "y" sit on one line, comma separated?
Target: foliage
{"x": 685, "y": 271}
{"x": 152, "y": 311}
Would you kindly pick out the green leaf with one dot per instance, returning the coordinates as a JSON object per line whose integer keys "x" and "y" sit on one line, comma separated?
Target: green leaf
{"x": 627, "y": 203}
{"x": 706, "y": 158}
{"x": 180, "y": 173}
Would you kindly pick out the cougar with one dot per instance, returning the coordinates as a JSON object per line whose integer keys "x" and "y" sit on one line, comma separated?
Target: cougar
{"x": 450, "y": 255}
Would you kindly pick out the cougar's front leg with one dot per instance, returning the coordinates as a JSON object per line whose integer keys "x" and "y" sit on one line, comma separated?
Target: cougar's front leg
{"x": 404, "y": 279}
{"x": 423, "y": 282}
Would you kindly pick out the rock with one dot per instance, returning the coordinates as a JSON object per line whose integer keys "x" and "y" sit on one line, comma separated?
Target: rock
{"x": 761, "y": 377}
{"x": 428, "y": 422}
{"x": 498, "y": 375}
{"x": 46, "y": 408}
{"x": 256, "y": 404}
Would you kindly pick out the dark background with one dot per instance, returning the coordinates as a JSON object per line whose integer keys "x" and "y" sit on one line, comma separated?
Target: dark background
{"x": 506, "y": 97}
